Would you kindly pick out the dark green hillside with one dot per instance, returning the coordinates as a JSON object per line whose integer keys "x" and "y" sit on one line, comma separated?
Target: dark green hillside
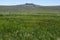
{"x": 29, "y": 8}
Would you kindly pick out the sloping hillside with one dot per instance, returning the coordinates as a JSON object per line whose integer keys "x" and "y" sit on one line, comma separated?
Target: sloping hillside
{"x": 29, "y": 8}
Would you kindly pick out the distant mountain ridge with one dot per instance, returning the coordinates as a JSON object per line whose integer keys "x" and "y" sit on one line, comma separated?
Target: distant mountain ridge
{"x": 29, "y": 7}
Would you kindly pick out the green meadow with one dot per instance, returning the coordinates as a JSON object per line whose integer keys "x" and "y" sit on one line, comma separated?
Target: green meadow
{"x": 38, "y": 26}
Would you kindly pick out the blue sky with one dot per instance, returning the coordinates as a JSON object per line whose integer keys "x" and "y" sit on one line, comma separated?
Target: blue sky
{"x": 39, "y": 2}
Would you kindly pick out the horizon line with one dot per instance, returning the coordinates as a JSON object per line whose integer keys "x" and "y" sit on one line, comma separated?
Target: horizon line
{"x": 25, "y": 3}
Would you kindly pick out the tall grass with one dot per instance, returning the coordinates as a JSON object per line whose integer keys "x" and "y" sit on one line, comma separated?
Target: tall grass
{"x": 29, "y": 27}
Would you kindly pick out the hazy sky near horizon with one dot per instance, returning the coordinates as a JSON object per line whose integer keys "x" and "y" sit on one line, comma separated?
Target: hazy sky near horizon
{"x": 39, "y": 2}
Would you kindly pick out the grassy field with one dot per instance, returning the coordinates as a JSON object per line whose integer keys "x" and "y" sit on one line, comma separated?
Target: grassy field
{"x": 44, "y": 26}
